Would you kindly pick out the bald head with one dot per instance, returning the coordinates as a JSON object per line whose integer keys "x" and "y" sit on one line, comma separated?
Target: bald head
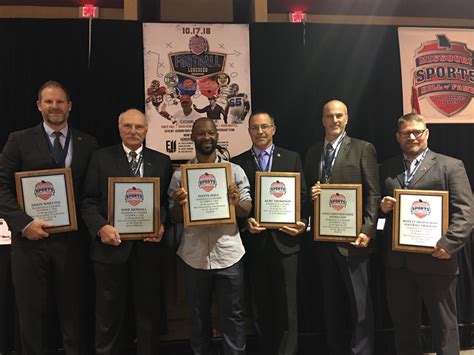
{"x": 335, "y": 118}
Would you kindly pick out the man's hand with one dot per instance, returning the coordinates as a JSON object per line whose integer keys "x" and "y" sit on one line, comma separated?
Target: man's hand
{"x": 234, "y": 194}
{"x": 315, "y": 190}
{"x": 294, "y": 231}
{"x": 440, "y": 253}
{"x": 387, "y": 204}
{"x": 35, "y": 230}
{"x": 253, "y": 226}
{"x": 109, "y": 235}
{"x": 180, "y": 196}
{"x": 159, "y": 237}
{"x": 362, "y": 241}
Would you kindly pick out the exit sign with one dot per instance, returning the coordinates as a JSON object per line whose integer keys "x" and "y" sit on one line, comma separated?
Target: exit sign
{"x": 89, "y": 11}
{"x": 297, "y": 16}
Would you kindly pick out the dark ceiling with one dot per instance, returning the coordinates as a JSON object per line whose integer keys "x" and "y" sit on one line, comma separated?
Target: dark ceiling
{"x": 406, "y": 8}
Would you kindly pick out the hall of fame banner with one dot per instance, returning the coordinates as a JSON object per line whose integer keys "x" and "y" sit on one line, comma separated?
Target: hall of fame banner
{"x": 192, "y": 71}
{"x": 438, "y": 73}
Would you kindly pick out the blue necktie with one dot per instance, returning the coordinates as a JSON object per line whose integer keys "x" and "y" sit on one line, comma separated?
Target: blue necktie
{"x": 263, "y": 161}
{"x": 328, "y": 158}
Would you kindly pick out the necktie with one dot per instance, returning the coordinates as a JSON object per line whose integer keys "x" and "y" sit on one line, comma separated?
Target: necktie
{"x": 328, "y": 158}
{"x": 263, "y": 161}
{"x": 134, "y": 164}
{"x": 58, "y": 150}
{"x": 408, "y": 166}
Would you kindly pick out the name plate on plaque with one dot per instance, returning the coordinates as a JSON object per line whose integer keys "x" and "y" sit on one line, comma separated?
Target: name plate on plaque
{"x": 207, "y": 188}
{"x": 134, "y": 206}
{"x": 278, "y": 199}
{"x": 48, "y": 195}
{"x": 338, "y": 213}
{"x": 420, "y": 219}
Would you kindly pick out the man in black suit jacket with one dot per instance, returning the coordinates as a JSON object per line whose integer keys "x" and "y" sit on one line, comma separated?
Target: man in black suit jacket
{"x": 344, "y": 266}
{"x": 411, "y": 277}
{"x": 38, "y": 258}
{"x": 273, "y": 254}
{"x": 119, "y": 263}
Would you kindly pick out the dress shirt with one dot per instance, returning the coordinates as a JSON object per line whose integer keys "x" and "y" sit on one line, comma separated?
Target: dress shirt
{"x": 50, "y": 133}
{"x": 217, "y": 246}
{"x": 139, "y": 152}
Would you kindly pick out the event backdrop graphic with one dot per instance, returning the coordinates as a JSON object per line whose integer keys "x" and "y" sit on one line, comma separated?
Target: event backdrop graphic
{"x": 438, "y": 73}
{"x": 192, "y": 71}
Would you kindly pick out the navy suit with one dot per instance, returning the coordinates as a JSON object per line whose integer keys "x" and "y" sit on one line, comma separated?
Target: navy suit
{"x": 412, "y": 276}
{"x": 135, "y": 262}
{"x": 273, "y": 261}
{"x": 60, "y": 258}
{"x": 344, "y": 268}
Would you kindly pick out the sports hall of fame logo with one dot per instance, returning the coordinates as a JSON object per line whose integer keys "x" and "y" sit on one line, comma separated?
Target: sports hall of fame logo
{"x": 444, "y": 75}
{"x": 44, "y": 190}
{"x": 337, "y": 201}
{"x": 133, "y": 196}
{"x": 207, "y": 182}
{"x": 420, "y": 208}
{"x": 277, "y": 189}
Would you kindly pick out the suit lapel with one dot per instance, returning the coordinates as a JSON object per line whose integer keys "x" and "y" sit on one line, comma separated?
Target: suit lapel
{"x": 121, "y": 160}
{"x": 42, "y": 144}
{"x": 148, "y": 166}
{"x": 278, "y": 160}
{"x": 426, "y": 165}
{"x": 341, "y": 155}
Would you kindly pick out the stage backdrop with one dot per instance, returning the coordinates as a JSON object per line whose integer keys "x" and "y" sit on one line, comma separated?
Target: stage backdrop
{"x": 188, "y": 67}
{"x": 438, "y": 73}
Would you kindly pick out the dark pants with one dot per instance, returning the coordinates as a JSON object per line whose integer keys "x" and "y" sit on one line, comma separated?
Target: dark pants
{"x": 141, "y": 275}
{"x": 345, "y": 282}
{"x": 59, "y": 260}
{"x": 405, "y": 292}
{"x": 228, "y": 284}
{"x": 273, "y": 290}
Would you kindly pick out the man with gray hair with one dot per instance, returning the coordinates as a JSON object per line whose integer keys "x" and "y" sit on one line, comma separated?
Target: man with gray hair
{"x": 119, "y": 264}
{"x": 413, "y": 277}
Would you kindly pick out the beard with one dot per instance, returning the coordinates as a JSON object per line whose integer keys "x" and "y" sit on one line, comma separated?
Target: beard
{"x": 206, "y": 150}
{"x": 55, "y": 120}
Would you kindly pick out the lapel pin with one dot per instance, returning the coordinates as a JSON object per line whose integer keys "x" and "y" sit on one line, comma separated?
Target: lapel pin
{"x": 278, "y": 154}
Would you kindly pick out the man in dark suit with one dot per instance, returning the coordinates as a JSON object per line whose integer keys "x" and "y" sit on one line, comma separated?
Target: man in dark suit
{"x": 411, "y": 277}
{"x": 273, "y": 254}
{"x": 123, "y": 265}
{"x": 340, "y": 159}
{"x": 38, "y": 258}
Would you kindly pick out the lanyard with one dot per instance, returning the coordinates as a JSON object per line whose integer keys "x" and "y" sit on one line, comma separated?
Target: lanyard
{"x": 270, "y": 158}
{"x": 409, "y": 177}
{"x": 65, "y": 148}
{"x": 321, "y": 165}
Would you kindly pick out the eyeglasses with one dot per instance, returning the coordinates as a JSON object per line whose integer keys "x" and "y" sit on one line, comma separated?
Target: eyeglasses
{"x": 263, "y": 127}
{"x": 417, "y": 133}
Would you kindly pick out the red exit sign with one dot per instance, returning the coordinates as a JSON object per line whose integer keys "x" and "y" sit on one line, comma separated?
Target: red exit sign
{"x": 297, "y": 16}
{"x": 89, "y": 11}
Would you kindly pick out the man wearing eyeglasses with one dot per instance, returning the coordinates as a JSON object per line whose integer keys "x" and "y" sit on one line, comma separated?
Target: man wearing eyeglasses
{"x": 272, "y": 254}
{"x": 411, "y": 277}
{"x": 341, "y": 159}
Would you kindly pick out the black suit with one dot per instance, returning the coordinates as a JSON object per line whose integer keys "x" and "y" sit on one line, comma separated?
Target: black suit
{"x": 273, "y": 261}
{"x": 115, "y": 266}
{"x": 344, "y": 268}
{"x": 59, "y": 259}
{"x": 412, "y": 276}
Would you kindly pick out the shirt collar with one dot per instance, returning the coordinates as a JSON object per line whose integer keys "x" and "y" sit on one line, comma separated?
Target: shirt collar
{"x": 50, "y": 132}
{"x": 268, "y": 150}
{"x": 335, "y": 141}
{"x": 195, "y": 161}
{"x": 128, "y": 150}
{"x": 418, "y": 157}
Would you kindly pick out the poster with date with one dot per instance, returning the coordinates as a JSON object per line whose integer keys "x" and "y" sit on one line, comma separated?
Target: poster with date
{"x": 192, "y": 71}
{"x": 438, "y": 73}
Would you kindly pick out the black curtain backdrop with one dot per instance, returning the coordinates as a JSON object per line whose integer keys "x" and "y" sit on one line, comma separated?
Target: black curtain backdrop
{"x": 295, "y": 69}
